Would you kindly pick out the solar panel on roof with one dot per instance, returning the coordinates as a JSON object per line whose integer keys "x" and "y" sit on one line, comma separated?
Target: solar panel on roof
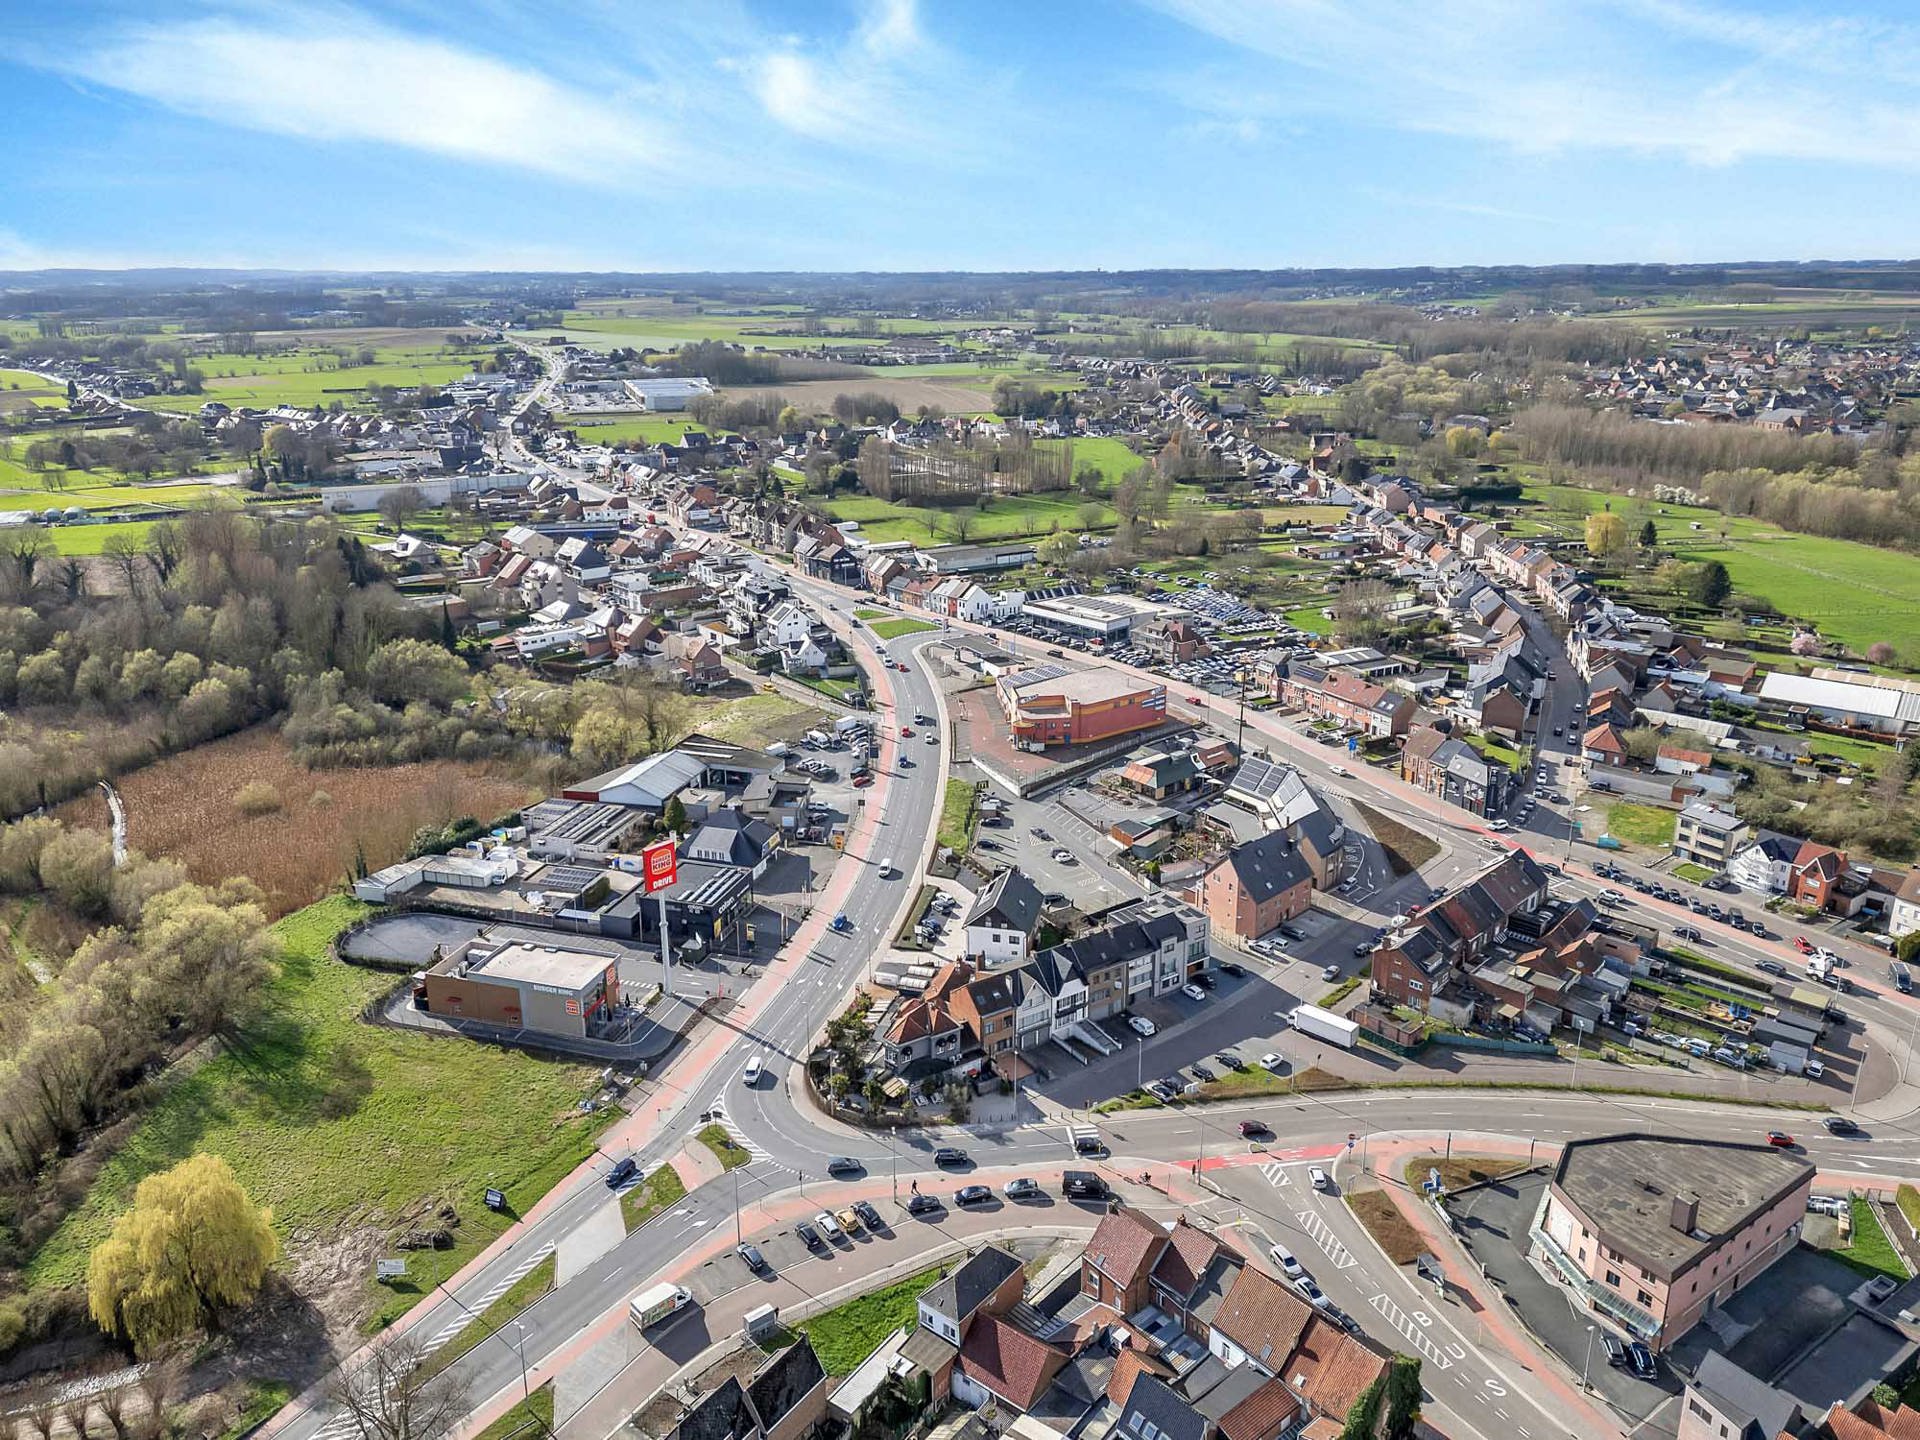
{"x": 569, "y": 877}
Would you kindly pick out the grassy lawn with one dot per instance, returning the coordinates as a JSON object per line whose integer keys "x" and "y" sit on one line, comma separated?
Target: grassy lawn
{"x": 1864, "y": 753}
{"x": 901, "y": 625}
{"x": 1111, "y": 456}
{"x": 1496, "y": 751}
{"x": 843, "y": 690}
{"x": 288, "y": 379}
{"x": 1641, "y": 824}
{"x": 92, "y": 539}
{"x": 263, "y": 1399}
{"x": 612, "y": 429}
{"x": 1407, "y": 849}
{"x": 754, "y": 720}
{"x": 1007, "y": 517}
{"x": 1251, "y": 1081}
{"x": 1692, "y": 873}
{"x": 870, "y": 614}
{"x": 1389, "y": 1226}
{"x": 657, "y": 1192}
{"x": 716, "y": 1139}
{"x": 845, "y": 1335}
{"x": 489, "y": 1322}
{"x": 1870, "y": 1251}
{"x": 1309, "y": 618}
{"x": 531, "y": 1417}
{"x": 335, "y": 1123}
{"x": 1456, "y": 1171}
{"x": 959, "y": 816}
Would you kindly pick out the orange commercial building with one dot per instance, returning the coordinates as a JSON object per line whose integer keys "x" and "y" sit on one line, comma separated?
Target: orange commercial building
{"x": 1051, "y": 705}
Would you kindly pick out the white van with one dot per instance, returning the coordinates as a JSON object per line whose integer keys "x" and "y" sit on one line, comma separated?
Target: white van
{"x": 652, "y": 1306}
{"x": 750, "y": 1076}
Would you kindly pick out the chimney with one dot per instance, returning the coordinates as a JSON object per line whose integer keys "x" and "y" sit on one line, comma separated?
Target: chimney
{"x": 1686, "y": 1209}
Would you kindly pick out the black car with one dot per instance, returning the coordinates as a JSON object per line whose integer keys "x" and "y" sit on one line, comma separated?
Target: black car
{"x": 622, "y": 1172}
{"x": 750, "y": 1253}
{"x": 1840, "y": 1125}
{"x": 972, "y": 1195}
{"x": 844, "y": 1165}
{"x": 1203, "y": 980}
{"x": 1770, "y": 967}
{"x": 1229, "y": 967}
{"x": 869, "y": 1216}
{"x": 1640, "y": 1360}
{"x": 949, "y": 1155}
{"x": 1737, "y": 920}
{"x": 1201, "y": 1072}
{"x": 1293, "y": 932}
{"x": 922, "y": 1205}
{"x": 809, "y": 1236}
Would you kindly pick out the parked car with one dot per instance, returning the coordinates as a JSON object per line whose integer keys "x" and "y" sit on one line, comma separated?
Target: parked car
{"x": 1289, "y": 1265}
{"x": 1329, "y": 972}
{"x": 922, "y": 1204}
{"x": 972, "y": 1195}
{"x": 1140, "y": 1025}
{"x": 1640, "y": 1361}
{"x": 869, "y": 1216}
{"x": 1273, "y": 1061}
{"x": 750, "y": 1253}
{"x": 809, "y": 1236}
{"x": 1233, "y": 968}
{"x": 1615, "y": 1347}
{"x": 1021, "y": 1188}
{"x": 1192, "y": 991}
{"x": 949, "y": 1155}
{"x": 827, "y": 1225}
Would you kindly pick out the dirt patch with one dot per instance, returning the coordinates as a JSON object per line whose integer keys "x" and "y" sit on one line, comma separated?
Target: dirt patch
{"x": 184, "y": 807}
{"x": 1459, "y": 1171}
{"x": 909, "y": 395}
{"x": 1407, "y": 849}
{"x": 1390, "y": 1228}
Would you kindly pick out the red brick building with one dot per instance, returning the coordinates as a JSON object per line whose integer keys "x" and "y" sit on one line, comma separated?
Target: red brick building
{"x": 1257, "y": 886}
{"x": 1048, "y": 705}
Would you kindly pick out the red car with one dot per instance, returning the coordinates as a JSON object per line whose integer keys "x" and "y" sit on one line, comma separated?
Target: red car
{"x": 1780, "y": 1140}
{"x": 1254, "y": 1130}
{"x": 906, "y": 732}
{"x": 860, "y": 782}
{"x": 1803, "y": 945}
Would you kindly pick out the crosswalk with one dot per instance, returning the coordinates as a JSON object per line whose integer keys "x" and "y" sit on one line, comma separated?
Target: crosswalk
{"x": 734, "y": 1133}
{"x": 1411, "y": 1327}
{"x": 344, "y": 1424}
{"x": 1321, "y": 1235}
{"x": 1277, "y": 1173}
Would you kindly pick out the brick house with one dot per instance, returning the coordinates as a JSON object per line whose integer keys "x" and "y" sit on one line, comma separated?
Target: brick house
{"x": 1257, "y": 886}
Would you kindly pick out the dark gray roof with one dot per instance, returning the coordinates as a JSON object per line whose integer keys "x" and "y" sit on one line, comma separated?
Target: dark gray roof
{"x": 969, "y": 1287}
{"x": 724, "y": 1414}
{"x": 785, "y": 1381}
{"x": 1625, "y": 1187}
{"x": 1010, "y": 901}
{"x": 1268, "y": 866}
{"x": 1213, "y": 1390}
{"x": 1761, "y": 1411}
{"x": 1154, "y": 1402}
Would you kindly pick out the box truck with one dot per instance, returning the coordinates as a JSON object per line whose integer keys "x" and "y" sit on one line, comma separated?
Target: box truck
{"x": 1325, "y": 1025}
{"x": 650, "y": 1307}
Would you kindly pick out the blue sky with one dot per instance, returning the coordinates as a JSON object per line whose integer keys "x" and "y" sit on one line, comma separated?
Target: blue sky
{"x": 934, "y": 134}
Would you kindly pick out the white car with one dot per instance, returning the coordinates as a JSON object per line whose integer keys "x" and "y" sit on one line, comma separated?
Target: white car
{"x": 887, "y": 872}
{"x": 1815, "y": 1070}
{"x": 1193, "y": 992}
{"x": 1340, "y": 770}
{"x": 1063, "y": 855}
{"x": 1273, "y": 1061}
{"x": 1289, "y": 1265}
{"x": 1500, "y": 825}
{"x": 1318, "y": 1178}
{"x": 1140, "y": 1025}
{"x": 1329, "y": 972}
{"x": 827, "y": 1225}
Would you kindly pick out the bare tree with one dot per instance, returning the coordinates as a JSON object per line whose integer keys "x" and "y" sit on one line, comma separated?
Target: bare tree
{"x": 159, "y": 1384}
{"x": 389, "y": 1397}
{"x": 115, "y": 1401}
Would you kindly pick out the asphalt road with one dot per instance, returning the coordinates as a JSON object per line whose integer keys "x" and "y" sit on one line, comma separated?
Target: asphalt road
{"x": 789, "y": 1140}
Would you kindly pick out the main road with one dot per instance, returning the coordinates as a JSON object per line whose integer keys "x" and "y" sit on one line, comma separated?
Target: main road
{"x": 789, "y": 1140}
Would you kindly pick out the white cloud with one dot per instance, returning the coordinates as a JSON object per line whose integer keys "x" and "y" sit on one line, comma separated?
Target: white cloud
{"x": 336, "y": 77}
{"x": 1542, "y": 76}
{"x": 867, "y": 89}
{"x": 792, "y": 90}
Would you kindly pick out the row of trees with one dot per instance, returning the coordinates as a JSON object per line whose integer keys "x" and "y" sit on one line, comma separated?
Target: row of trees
{"x": 1639, "y": 451}
{"x": 173, "y": 961}
{"x": 952, "y": 471}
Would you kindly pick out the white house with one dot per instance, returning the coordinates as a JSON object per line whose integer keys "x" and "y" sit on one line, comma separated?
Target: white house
{"x": 1003, "y": 921}
{"x": 1903, "y": 917}
{"x": 1764, "y": 866}
{"x": 787, "y": 622}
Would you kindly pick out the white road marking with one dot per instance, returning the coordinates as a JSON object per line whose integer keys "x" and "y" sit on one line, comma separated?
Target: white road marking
{"x": 1415, "y": 1333}
{"x": 1324, "y": 1237}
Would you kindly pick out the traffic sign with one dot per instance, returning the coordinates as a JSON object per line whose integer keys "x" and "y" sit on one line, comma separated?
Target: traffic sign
{"x": 496, "y": 1199}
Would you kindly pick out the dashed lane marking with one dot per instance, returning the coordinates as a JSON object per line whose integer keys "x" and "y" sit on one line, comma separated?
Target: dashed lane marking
{"x": 478, "y": 1307}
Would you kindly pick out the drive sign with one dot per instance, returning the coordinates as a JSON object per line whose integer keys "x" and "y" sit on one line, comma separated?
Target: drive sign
{"x": 661, "y": 865}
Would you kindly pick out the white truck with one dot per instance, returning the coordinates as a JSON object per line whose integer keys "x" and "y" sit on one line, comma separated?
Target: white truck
{"x": 650, "y": 1307}
{"x": 847, "y": 725}
{"x": 1819, "y": 966}
{"x": 1325, "y": 1025}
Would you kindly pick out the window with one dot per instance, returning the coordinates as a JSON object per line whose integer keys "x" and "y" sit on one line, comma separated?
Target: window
{"x": 1699, "y": 1411}
{"x": 1613, "y": 1278}
{"x": 1645, "y": 1297}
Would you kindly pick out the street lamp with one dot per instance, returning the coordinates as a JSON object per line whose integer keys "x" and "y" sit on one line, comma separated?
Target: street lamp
{"x": 1587, "y": 1365}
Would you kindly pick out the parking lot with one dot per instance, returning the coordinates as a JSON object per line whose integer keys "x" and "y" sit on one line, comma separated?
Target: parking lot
{"x": 1493, "y": 1223}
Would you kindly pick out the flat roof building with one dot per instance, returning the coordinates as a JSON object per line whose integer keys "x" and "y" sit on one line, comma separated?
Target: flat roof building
{"x": 551, "y": 989}
{"x": 1653, "y": 1230}
{"x": 1051, "y": 705}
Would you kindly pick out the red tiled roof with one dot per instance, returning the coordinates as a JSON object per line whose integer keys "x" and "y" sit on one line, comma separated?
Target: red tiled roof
{"x": 1189, "y": 1251}
{"x": 1262, "y": 1415}
{"x": 1125, "y": 1245}
{"x": 1262, "y": 1316}
{"x": 1331, "y": 1368}
{"x": 1606, "y": 738}
{"x": 1128, "y": 1367}
{"x": 1008, "y": 1361}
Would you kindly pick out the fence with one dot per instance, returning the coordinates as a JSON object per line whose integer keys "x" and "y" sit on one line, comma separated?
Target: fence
{"x": 1496, "y": 1045}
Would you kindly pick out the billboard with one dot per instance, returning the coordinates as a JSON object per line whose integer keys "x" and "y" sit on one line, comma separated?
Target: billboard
{"x": 662, "y": 865}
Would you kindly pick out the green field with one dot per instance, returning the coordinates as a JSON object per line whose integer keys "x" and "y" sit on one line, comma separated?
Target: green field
{"x": 92, "y": 539}
{"x": 294, "y": 379}
{"x": 959, "y": 816}
{"x": 1112, "y": 457}
{"x": 334, "y": 1122}
{"x": 1641, "y": 824}
{"x": 900, "y": 625}
{"x": 648, "y": 429}
{"x": 22, "y": 389}
{"x": 1853, "y": 593}
{"x": 1011, "y": 517}
{"x": 845, "y": 1335}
